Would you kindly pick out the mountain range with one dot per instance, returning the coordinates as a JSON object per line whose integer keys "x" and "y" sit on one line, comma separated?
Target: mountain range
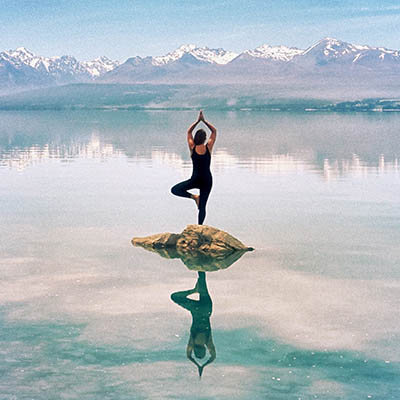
{"x": 327, "y": 62}
{"x": 23, "y": 69}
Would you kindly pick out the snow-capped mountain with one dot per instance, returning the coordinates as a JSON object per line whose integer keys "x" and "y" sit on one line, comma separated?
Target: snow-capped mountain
{"x": 99, "y": 66}
{"x": 58, "y": 65}
{"x": 49, "y": 71}
{"x": 331, "y": 50}
{"x": 212, "y": 56}
{"x": 176, "y": 66}
{"x": 192, "y": 64}
{"x": 21, "y": 69}
{"x": 279, "y": 53}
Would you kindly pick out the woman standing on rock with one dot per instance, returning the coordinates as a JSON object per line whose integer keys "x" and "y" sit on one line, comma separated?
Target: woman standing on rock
{"x": 201, "y": 158}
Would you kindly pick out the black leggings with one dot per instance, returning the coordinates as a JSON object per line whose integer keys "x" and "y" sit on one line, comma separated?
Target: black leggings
{"x": 181, "y": 190}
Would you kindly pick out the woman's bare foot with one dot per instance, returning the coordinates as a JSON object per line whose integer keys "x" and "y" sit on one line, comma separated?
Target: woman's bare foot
{"x": 196, "y": 198}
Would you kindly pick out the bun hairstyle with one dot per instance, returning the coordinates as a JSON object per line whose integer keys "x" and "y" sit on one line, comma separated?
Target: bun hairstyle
{"x": 200, "y": 137}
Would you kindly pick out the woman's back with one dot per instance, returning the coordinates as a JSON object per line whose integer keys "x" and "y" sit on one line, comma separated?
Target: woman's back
{"x": 201, "y": 163}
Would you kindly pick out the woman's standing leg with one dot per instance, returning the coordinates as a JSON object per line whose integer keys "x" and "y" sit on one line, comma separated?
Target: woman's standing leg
{"x": 204, "y": 193}
{"x": 205, "y": 298}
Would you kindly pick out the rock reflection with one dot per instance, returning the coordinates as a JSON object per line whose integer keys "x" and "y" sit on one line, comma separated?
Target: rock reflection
{"x": 200, "y": 262}
{"x": 200, "y": 338}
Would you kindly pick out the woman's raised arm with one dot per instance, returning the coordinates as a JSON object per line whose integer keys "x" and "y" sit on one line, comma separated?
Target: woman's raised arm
{"x": 190, "y": 133}
{"x": 213, "y": 130}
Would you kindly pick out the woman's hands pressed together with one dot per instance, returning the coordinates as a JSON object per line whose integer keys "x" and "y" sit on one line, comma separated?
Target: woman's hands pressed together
{"x": 201, "y": 116}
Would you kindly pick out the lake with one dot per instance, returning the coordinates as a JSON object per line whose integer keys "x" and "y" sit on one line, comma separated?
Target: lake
{"x": 313, "y": 312}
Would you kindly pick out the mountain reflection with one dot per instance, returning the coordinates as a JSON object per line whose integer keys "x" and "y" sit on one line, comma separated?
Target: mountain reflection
{"x": 200, "y": 338}
{"x": 266, "y": 143}
{"x": 22, "y": 157}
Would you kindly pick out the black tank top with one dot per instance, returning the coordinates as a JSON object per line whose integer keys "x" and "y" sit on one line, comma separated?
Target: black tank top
{"x": 201, "y": 163}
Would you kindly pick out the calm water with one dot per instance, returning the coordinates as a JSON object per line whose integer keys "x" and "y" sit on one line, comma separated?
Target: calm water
{"x": 312, "y": 313}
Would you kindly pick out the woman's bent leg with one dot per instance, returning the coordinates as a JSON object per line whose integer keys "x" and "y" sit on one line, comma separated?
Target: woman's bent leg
{"x": 182, "y": 300}
{"x": 181, "y": 189}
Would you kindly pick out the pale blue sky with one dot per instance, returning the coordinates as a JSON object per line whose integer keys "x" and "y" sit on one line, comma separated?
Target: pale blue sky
{"x": 123, "y": 28}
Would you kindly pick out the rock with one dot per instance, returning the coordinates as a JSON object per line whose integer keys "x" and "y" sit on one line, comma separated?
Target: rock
{"x": 157, "y": 241}
{"x": 194, "y": 238}
{"x": 200, "y": 247}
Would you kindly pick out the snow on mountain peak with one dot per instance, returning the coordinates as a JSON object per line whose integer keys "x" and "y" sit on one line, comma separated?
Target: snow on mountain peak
{"x": 331, "y": 48}
{"x": 281, "y": 53}
{"x": 212, "y": 56}
{"x": 58, "y": 65}
{"x": 67, "y": 69}
{"x": 100, "y": 66}
{"x": 187, "y": 47}
{"x": 20, "y": 56}
{"x": 22, "y": 50}
{"x": 331, "y": 40}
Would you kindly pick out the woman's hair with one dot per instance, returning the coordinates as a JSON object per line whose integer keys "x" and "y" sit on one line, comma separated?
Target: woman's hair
{"x": 200, "y": 137}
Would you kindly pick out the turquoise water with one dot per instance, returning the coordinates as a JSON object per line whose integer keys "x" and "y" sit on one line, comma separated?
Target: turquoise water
{"x": 312, "y": 313}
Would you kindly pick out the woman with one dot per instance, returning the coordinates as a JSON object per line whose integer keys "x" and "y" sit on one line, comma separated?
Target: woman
{"x": 201, "y": 159}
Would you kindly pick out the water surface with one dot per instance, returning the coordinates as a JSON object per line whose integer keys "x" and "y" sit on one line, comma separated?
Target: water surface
{"x": 312, "y": 313}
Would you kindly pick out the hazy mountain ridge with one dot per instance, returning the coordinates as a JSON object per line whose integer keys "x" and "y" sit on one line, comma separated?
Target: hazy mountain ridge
{"x": 328, "y": 63}
{"x": 329, "y": 58}
{"x": 22, "y": 68}
{"x": 112, "y": 97}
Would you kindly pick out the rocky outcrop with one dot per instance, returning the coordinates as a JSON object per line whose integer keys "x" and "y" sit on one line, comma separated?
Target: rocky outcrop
{"x": 200, "y": 247}
{"x": 194, "y": 238}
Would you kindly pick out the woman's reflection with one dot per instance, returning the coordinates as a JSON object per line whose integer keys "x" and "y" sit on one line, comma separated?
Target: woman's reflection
{"x": 200, "y": 332}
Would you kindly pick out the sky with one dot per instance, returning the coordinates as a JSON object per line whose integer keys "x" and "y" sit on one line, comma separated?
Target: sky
{"x": 120, "y": 29}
